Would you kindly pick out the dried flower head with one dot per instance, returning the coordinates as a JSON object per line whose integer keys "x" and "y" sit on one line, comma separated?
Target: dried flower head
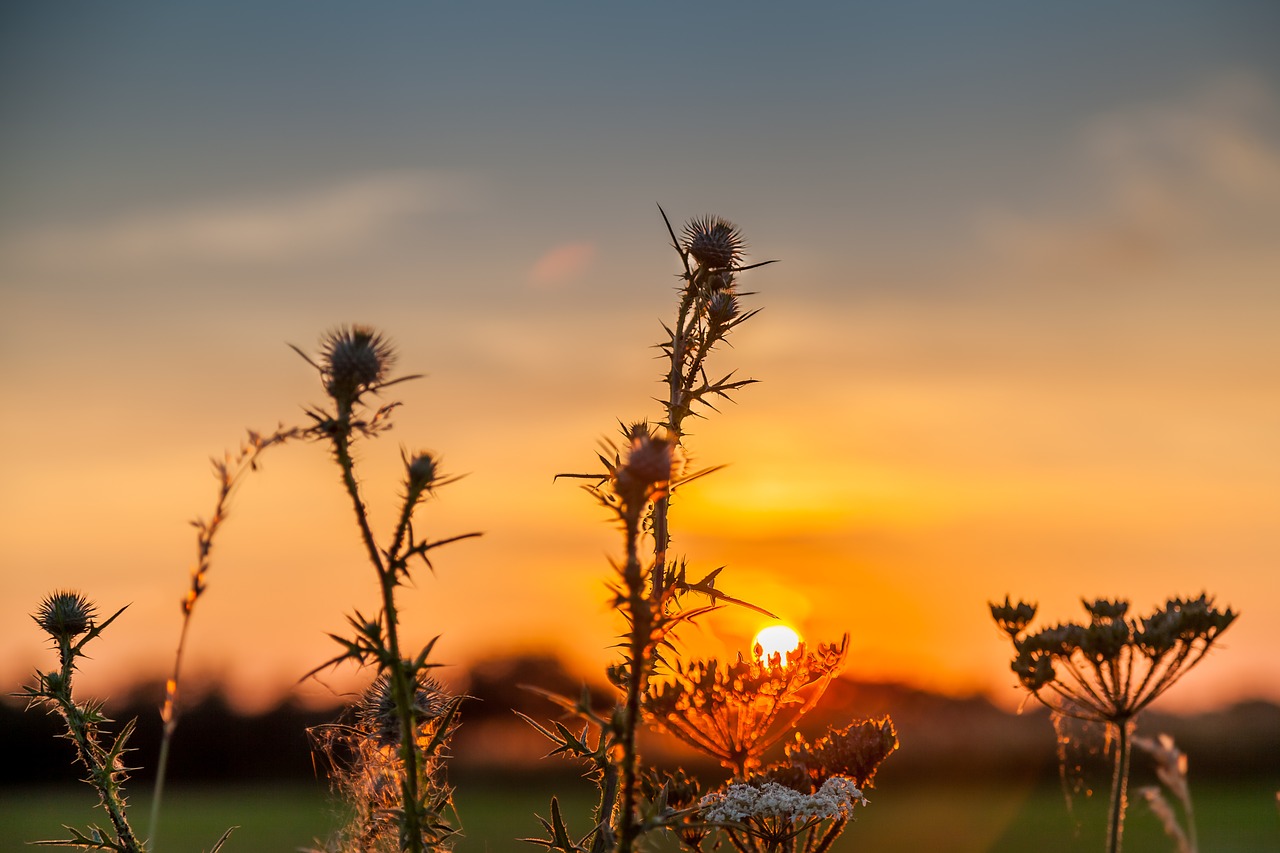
{"x": 65, "y": 614}
{"x": 854, "y": 752}
{"x": 734, "y": 713}
{"x": 353, "y": 360}
{"x": 715, "y": 243}
{"x": 367, "y": 766}
{"x": 376, "y": 716}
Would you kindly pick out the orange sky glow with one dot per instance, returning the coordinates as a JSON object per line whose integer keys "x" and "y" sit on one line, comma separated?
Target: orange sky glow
{"x": 1021, "y": 341}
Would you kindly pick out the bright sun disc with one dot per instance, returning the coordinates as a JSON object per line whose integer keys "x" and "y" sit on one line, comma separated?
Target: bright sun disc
{"x": 776, "y": 640}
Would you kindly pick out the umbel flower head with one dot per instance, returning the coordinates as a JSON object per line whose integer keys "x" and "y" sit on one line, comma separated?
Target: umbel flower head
{"x": 735, "y": 712}
{"x": 715, "y": 243}
{"x": 353, "y": 360}
{"x": 65, "y": 614}
{"x": 854, "y": 752}
{"x": 745, "y": 802}
{"x": 1113, "y": 666}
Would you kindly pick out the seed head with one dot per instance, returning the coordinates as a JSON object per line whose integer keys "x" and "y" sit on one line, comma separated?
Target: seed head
{"x": 353, "y": 360}
{"x": 376, "y": 711}
{"x": 65, "y": 614}
{"x": 714, "y": 243}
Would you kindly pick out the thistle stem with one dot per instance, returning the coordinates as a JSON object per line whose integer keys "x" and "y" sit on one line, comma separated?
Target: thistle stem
{"x": 100, "y": 776}
{"x": 636, "y": 678}
{"x": 411, "y": 825}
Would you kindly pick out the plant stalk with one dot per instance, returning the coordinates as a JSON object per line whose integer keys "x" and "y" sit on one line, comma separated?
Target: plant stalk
{"x": 401, "y": 691}
{"x": 1119, "y": 786}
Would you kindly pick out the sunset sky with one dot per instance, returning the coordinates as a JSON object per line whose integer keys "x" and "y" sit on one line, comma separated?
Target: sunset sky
{"x": 1024, "y": 336}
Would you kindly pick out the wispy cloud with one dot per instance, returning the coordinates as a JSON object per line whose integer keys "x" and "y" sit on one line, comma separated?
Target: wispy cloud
{"x": 562, "y": 263}
{"x": 1168, "y": 177}
{"x": 343, "y": 218}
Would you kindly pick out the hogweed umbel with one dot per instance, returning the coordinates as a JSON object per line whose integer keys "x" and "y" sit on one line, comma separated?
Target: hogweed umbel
{"x": 1111, "y": 667}
{"x": 735, "y": 712}
{"x": 810, "y": 794}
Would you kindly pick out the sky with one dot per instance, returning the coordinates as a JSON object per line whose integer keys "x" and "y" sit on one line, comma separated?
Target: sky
{"x": 1021, "y": 338}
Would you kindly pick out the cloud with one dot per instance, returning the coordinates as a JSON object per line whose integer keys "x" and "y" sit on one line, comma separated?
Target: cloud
{"x": 343, "y": 218}
{"x": 1167, "y": 178}
{"x": 561, "y": 264}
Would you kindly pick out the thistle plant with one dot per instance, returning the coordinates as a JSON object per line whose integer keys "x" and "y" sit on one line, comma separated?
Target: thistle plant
{"x": 637, "y": 485}
{"x": 367, "y": 764}
{"x": 1108, "y": 669}
{"x": 735, "y": 712}
{"x": 400, "y": 735}
{"x": 70, "y": 620}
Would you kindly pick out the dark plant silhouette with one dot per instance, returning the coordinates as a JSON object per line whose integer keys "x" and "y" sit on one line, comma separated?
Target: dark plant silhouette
{"x": 1110, "y": 668}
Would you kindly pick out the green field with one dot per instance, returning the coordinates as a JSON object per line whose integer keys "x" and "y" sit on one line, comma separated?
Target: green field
{"x": 955, "y": 819}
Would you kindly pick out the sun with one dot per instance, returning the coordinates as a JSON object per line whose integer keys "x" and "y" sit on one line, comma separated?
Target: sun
{"x": 776, "y": 640}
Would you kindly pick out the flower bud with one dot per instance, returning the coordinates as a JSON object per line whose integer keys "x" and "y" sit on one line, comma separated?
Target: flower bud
{"x": 353, "y": 360}
{"x": 422, "y": 471}
{"x": 713, "y": 242}
{"x": 64, "y": 615}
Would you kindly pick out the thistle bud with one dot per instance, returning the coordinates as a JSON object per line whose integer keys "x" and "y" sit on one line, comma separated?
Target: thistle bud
{"x": 722, "y": 308}
{"x": 354, "y": 360}
{"x": 64, "y": 615}
{"x": 714, "y": 243}
{"x": 647, "y": 468}
{"x": 422, "y": 470}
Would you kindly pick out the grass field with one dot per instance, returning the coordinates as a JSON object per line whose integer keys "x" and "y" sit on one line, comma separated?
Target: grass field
{"x": 955, "y": 819}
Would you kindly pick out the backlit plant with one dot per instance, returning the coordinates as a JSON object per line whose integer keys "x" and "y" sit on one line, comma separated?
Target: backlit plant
{"x": 1108, "y": 669}
{"x": 732, "y": 712}
{"x": 70, "y": 620}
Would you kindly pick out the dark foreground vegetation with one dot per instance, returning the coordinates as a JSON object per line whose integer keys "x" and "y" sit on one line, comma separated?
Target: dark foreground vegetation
{"x": 943, "y": 738}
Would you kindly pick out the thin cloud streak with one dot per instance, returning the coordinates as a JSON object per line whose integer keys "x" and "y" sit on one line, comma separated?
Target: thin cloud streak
{"x": 1203, "y": 169}
{"x": 345, "y": 218}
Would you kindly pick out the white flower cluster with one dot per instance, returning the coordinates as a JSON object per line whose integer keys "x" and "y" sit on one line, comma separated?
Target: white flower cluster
{"x": 835, "y": 799}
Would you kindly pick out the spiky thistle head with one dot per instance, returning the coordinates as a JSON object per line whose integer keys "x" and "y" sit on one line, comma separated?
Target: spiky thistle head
{"x": 422, "y": 470}
{"x": 650, "y": 461}
{"x": 715, "y": 243}
{"x": 65, "y": 614}
{"x": 378, "y": 718}
{"x": 354, "y": 359}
